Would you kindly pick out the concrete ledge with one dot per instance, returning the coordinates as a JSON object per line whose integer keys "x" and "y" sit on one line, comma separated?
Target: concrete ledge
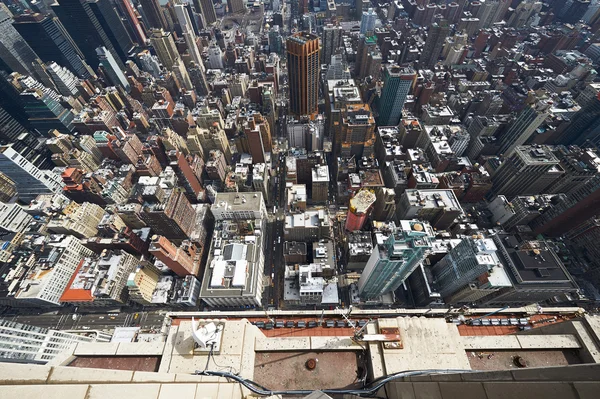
{"x": 141, "y": 348}
{"x": 70, "y": 375}
{"x": 565, "y": 341}
{"x": 96, "y": 348}
{"x": 524, "y": 342}
{"x": 480, "y": 342}
{"x": 264, "y": 344}
{"x": 579, "y": 372}
{"x": 15, "y": 374}
{"x": 333, "y": 343}
{"x": 129, "y": 391}
{"x": 148, "y": 376}
{"x": 44, "y": 391}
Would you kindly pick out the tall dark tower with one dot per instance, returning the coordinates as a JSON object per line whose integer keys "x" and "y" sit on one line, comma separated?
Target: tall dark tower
{"x": 113, "y": 26}
{"x": 434, "y": 43}
{"x": 85, "y": 29}
{"x": 154, "y": 15}
{"x": 303, "y": 60}
{"x": 207, "y": 9}
{"x": 48, "y": 37}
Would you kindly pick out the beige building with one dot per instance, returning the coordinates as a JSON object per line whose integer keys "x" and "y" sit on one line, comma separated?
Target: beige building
{"x": 165, "y": 48}
{"x": 81, "y": 222}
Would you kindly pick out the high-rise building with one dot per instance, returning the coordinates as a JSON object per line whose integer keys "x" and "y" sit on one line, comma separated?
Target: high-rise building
{"x": 470, "y": 259}
{"x": 397, "y": 83}
{"x": 357, "y": 133}
{"x": 85, "y": 29}
{"x": 153, "y": 15}
{"x": 113, "y": 71}
{"x": 395, "y": 257}
{"x": 165, "y": 48}
{"x": 10, "y": 128}
{"x": 439, "y": 207}
{"x": 171, "y": 218}
{"x": 176, "y": 258}
{"x": 521, "y": 129}
{"x": 432, "y": 49}
{"x": 332, "y": 41}
{"x": 27, "y": 343}
{"x": 359, "y": 209}
{"x": 303, "y": 56}
{"x": 207, "y": 9}
{"x": 367, "y": 22}
{"x": 13, "y": 218}
{"x": 131, "y": 22}
{"x": 50, "y": 40}
{"x": 569, "y": 210}
{"x": 187, "y": 30}
{"x": 520, "y": 173}
{"x": 46, "y": 113}
{"x": 583, "y": 124}
{"x": 113, "y": 27}
{"x": 236, "y": 6}
{"x": 65, "y": 82}
{"x": 320, "y": 184}
{"x": 14, "y": 51}
{"x": 8, "y": 188}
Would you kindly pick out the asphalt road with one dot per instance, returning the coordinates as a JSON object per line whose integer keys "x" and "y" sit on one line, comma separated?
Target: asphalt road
{"x": 94, "y": 321}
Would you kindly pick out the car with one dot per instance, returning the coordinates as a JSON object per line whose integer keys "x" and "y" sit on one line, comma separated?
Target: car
{"x": 312, "y": 324}
{"x": 279, "y": 324}
{"x": 330, "y": 323}
{"x": 269, "y": 326}
{"x": 260, "y": 324}
{"x": 301, "y": 324}
{"x": 289, "y": 324}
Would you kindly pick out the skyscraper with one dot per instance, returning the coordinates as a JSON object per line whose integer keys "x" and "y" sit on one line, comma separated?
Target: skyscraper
{"x": 131, "y": 22}
{"x": 357, "y": 136}
{"x": 154, "y": 15}
{"x": 50, "y": 40}
{"x": 397, "y": 83}
{"x": 526, "y": 123}
{"x": 332, "y": 41}
{"x": 520, "y": 173}
{"x": 395, "y": 257}
{"x": 236, "y": 6}
{"x": 14, "y": 51}
{"x": 367, "y": 22}
{"x": 207, "y": 9}
{"x": 470, "y": 259}
{"x": 113, "y": 26}
{"x": 434, "y": 43}
{"x": 114, "y": 72}
{"x": 46, "y": 113}
{"x": 30, "y": 181}
{"x": 85, "y": 29}
{"x": 303, "y": 55}
{"x": 188, "y": 32}
{"x": 583, "y": 124}
{"x": 164, "y": 45}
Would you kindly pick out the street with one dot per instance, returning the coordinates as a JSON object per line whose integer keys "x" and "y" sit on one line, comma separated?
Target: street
{"x": 94, "y": 321}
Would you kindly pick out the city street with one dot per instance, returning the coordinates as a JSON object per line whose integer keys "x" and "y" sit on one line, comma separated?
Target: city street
{"x": 94, "y": 321}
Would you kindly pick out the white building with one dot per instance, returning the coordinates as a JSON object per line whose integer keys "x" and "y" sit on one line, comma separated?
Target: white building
{"x": 31, "y": 344}
{"x": 215, "y": 57}
{"x": 13, "y": 218}
{"x": 65, "y": 81}
{"x": 239, "y": 206}
{"x": 40, "y": 280}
